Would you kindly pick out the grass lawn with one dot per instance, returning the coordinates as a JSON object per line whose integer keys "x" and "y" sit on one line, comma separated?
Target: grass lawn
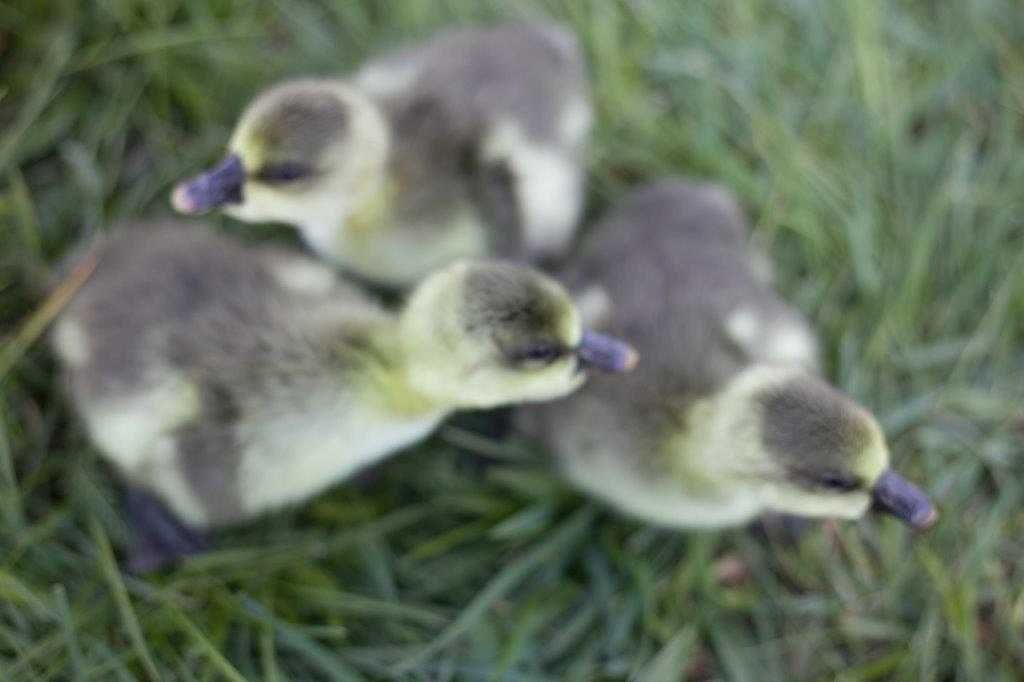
{"x": 879, "y": 149}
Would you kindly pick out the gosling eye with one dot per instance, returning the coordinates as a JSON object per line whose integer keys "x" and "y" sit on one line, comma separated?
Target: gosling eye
{"x": 838, "y": 482}
{"x": 283, "y": 172}
{"x": 539, "y": 353}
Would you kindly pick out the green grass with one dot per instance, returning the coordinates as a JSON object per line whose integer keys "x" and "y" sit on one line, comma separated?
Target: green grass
{"x": 879, "y": 148}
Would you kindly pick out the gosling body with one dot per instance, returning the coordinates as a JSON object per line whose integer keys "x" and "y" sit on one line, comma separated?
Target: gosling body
{"x": 468, "y": 144}
{"x": 231, "y": 380}
{"x": 725, "y": 416}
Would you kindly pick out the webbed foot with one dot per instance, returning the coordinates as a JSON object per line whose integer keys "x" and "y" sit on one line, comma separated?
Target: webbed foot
{"x": 158, "y": 538}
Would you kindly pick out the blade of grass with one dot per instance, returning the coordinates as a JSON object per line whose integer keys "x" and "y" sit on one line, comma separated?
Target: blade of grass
{"x": 67, "y": 625}
{"x": 130, "y": 621}
{"x": 27, "y": 216}
{"x": 10, "y": 494}
{"x": 14, "y": 591}
{"x": 154, "y": 42}
{"x": 268, "y": 654}
{"x": 669, "y": 664}
{"x": 37, "y": 322}
{"x": 332, "y": 666}
{"x": 213, "y": 654}
{"x": 59, "y": 50}
{"x": 357, "y": 604}
{"x": 503, "y": 583}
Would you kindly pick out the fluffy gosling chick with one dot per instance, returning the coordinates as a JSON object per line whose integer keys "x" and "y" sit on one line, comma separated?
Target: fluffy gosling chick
{"x": 725, "y": 417}
{"x": 466, "y": 145}
{"x": 230, "y": 380}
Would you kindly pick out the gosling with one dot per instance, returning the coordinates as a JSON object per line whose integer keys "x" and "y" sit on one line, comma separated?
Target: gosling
{"x": 470, "y": 144}
{"x": 228, "y": 380}
{"x": 726, "y": 416}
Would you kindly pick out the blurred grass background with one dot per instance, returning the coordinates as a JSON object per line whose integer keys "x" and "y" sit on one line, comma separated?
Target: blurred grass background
{"x": 879, "y": 148}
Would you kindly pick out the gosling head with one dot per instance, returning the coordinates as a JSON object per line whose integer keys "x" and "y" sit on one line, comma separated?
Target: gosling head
{"x": 812, "y": 451}
{"x": 482, "y": 333}
{"x": 304, "y": 152}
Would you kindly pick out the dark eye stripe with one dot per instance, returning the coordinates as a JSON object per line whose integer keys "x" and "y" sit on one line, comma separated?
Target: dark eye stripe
{"x": 538, "y": 352}
{"x": 839, "y": 482}
{"x": 817, "y": 480}
{"x": 284, "y": 171}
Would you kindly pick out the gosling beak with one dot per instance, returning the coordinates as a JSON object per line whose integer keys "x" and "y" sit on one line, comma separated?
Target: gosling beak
{"x": 904, "y": 500}
{"x": 220, "y": 185}
{"x": 606, "y": 353}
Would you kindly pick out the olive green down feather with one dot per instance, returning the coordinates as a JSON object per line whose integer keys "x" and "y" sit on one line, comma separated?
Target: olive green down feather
{"x": 230, "y": 380}
{"x": 469, "y": 144}
{"x": 726, "y": 415}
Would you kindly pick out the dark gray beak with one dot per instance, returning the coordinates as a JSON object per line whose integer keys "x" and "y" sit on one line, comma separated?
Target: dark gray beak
{"x": 606, "y": 353}
{"x": 220, "y": 185}
{"x": 904, "y": 500}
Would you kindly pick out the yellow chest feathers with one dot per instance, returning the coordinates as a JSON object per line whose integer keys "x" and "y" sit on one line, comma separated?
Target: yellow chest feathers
{"x": 378, "y": 244}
